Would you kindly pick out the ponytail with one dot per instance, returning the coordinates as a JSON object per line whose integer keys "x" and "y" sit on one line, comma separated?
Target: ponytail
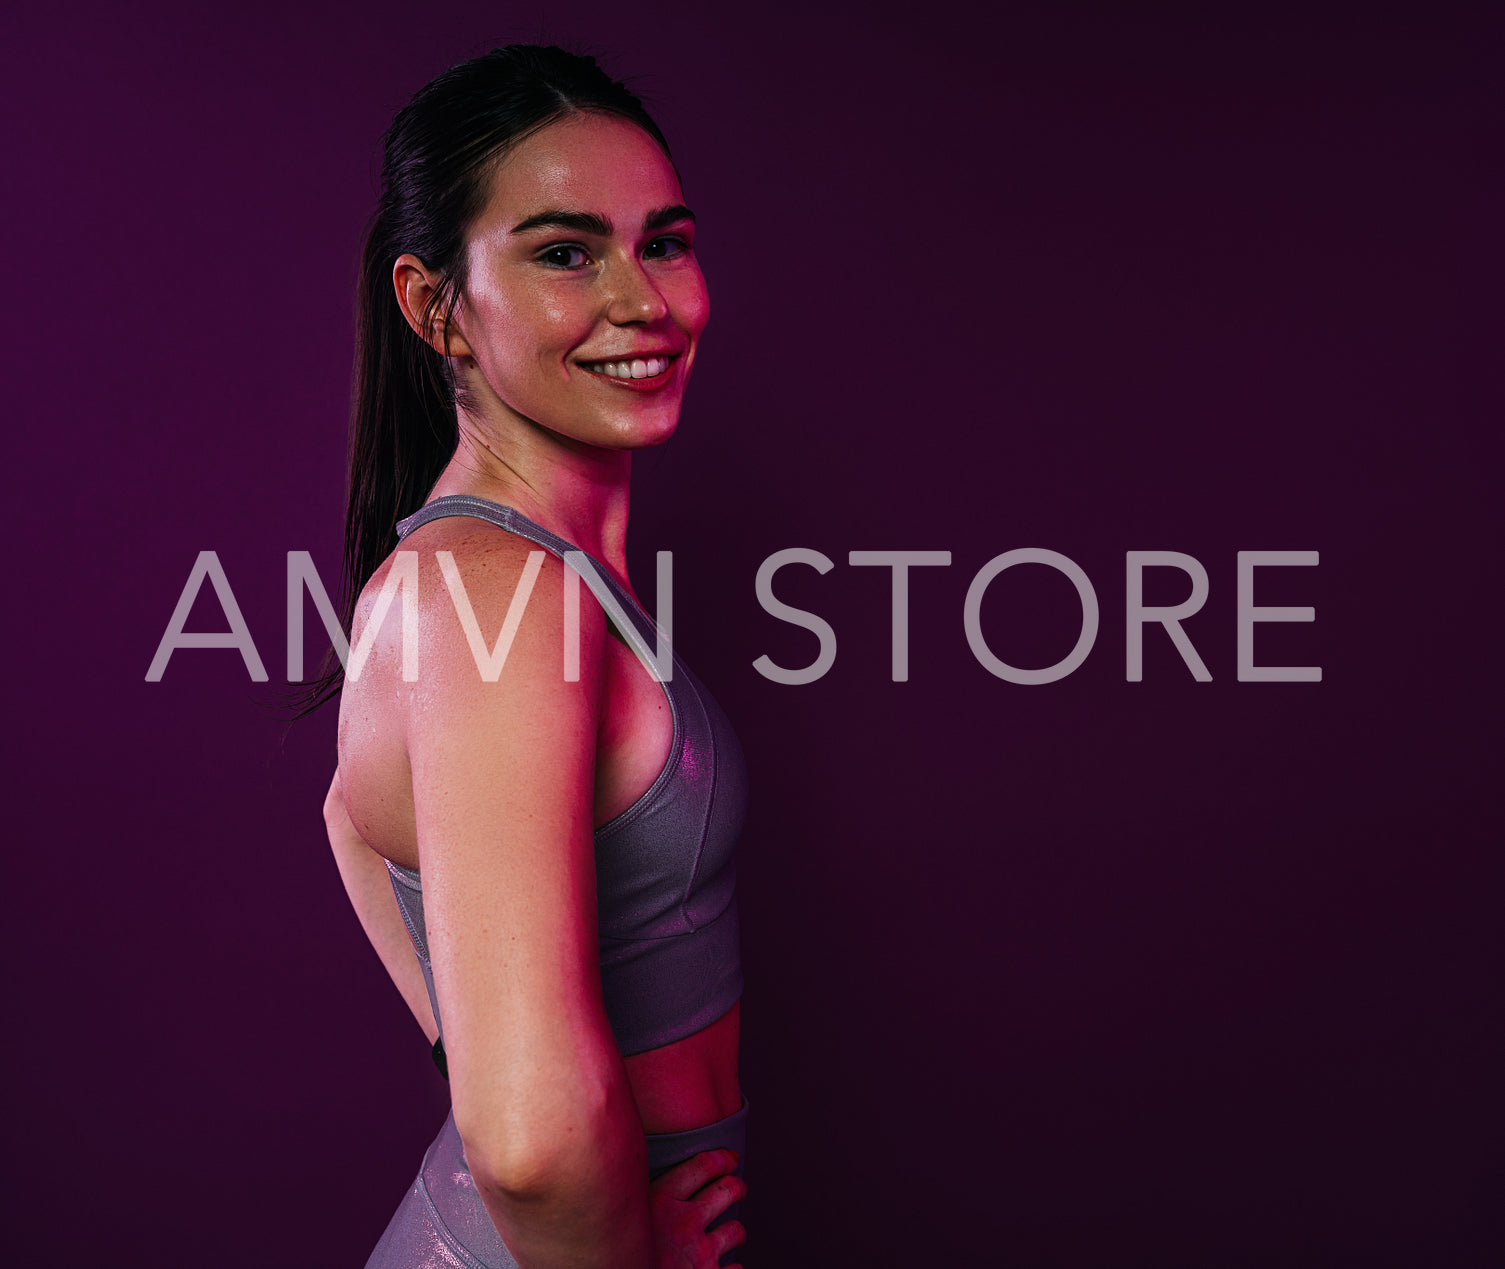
{"x": 438, "y": 157}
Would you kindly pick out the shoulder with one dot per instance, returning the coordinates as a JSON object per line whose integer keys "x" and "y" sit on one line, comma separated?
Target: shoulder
{"x": 480, "y": 607}
{"x": 493, "y": 559}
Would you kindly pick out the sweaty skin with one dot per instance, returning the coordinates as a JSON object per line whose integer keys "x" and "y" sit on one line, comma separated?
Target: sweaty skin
{"x": 571, "y": 345}
{"x": 683, "y": 1085}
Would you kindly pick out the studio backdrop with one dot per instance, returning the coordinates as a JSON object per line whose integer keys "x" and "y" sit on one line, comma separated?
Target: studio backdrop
{"x": 1085, "y": 507}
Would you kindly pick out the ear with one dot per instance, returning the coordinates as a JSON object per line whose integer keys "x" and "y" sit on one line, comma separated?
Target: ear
{"x": 416, "y": 285}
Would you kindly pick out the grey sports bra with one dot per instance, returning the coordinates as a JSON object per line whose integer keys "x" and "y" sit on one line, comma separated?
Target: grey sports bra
{"x": 665, "y": 882}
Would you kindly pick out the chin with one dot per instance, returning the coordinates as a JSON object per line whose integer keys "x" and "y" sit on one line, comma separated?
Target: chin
{"x": 647, "y": 440}
{"x": 644, "y": 433}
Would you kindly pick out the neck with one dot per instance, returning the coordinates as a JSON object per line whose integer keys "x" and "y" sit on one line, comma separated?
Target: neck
{"x": 578, "y": 491}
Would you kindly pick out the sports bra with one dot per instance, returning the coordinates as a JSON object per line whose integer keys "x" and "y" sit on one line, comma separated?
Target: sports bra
{"x": 665, "y": 883}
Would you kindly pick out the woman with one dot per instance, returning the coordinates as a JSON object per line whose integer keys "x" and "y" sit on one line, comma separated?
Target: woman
{"x": 554, "y": 821}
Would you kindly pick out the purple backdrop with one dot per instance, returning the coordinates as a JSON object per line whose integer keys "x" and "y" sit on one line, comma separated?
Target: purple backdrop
{"x": 1092, "y": 973}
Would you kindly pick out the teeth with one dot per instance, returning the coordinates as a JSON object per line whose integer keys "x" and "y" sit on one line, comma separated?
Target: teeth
{"x": 638, "y": 368}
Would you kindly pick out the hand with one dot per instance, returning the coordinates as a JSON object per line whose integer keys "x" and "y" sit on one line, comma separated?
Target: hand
{"x": 687, "y": 1198}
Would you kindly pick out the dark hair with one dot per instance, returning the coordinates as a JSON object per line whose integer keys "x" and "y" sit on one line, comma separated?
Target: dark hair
{"x": 438, "y": 156}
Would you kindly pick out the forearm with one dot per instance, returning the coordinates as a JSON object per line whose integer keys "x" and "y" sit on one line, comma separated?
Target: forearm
{"x": 364, "y": 873}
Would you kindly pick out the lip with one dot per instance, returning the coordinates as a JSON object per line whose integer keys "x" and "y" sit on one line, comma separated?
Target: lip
{"x": 656, "y": 384}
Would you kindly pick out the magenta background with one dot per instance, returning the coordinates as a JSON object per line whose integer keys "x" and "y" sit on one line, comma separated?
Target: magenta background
{"x": 1090, "y": 974}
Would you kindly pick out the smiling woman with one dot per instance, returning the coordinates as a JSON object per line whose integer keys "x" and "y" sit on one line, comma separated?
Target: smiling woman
{"x": 556, "y": 850}
{"x": 581, "y": 282}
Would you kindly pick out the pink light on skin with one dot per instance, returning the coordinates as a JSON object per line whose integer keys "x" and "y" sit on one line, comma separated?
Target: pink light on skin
{"x": 584, "y": 302}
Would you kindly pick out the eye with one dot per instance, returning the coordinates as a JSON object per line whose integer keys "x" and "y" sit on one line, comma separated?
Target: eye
{"x": 665, "y": 248}
{"x": 565, "y": 255}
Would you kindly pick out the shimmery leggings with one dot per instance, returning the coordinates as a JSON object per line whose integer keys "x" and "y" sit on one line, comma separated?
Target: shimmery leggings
{"x": 441, "y": 1222}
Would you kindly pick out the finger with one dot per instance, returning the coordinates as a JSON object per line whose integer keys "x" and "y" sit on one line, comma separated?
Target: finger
{"x": 685, "y": 1178}
{"x": 717, "y": 1197}
{"x": 724, "y": 1237}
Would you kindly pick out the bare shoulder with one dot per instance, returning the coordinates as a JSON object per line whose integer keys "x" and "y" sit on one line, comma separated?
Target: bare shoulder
{"x": 458, "y": 667}
{"x": 482, "y": 612}
{"x": 493, "y": 560}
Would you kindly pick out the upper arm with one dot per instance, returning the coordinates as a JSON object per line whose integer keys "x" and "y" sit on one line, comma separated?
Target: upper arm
{"x": 503, "y": 774}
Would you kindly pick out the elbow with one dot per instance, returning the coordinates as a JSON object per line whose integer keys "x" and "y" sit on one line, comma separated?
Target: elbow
{"x": 519, "y": 1176}
{"x": 523, "y": 1159}
{"x": 522, "y": 1171}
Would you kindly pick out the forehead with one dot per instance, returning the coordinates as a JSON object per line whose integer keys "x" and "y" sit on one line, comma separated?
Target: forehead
{"x": 586, "y": 163}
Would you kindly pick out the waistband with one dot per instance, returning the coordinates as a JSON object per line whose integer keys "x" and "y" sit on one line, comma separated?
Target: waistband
{"x": 665, "y": 1149}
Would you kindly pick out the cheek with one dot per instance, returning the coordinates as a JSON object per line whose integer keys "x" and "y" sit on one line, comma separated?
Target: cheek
{"x": 693, "y": 305}
{"x": 526, "y": 331}
{"x": 550, "y": 323}
{"x": 558, "y": 325}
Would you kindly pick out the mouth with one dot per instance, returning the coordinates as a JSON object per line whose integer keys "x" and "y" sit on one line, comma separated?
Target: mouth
{"x": 634, "y": 371}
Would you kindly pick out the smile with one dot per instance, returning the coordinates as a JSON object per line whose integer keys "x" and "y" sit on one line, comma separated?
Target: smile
{"x": 635, "y": 368}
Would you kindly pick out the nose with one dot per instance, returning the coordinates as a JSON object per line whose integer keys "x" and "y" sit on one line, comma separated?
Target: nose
{"x": 633, "y": 297}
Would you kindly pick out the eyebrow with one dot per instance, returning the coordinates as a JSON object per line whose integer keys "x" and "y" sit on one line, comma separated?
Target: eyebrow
{"x": 666, "y": 216}
{"x": 600, "y": 226}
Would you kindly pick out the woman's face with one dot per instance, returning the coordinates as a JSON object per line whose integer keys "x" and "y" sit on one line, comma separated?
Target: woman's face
{"x": 584, "y": 302}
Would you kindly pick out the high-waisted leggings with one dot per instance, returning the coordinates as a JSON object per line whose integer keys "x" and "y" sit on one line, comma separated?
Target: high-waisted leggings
{"x": 442, "y": 1224}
